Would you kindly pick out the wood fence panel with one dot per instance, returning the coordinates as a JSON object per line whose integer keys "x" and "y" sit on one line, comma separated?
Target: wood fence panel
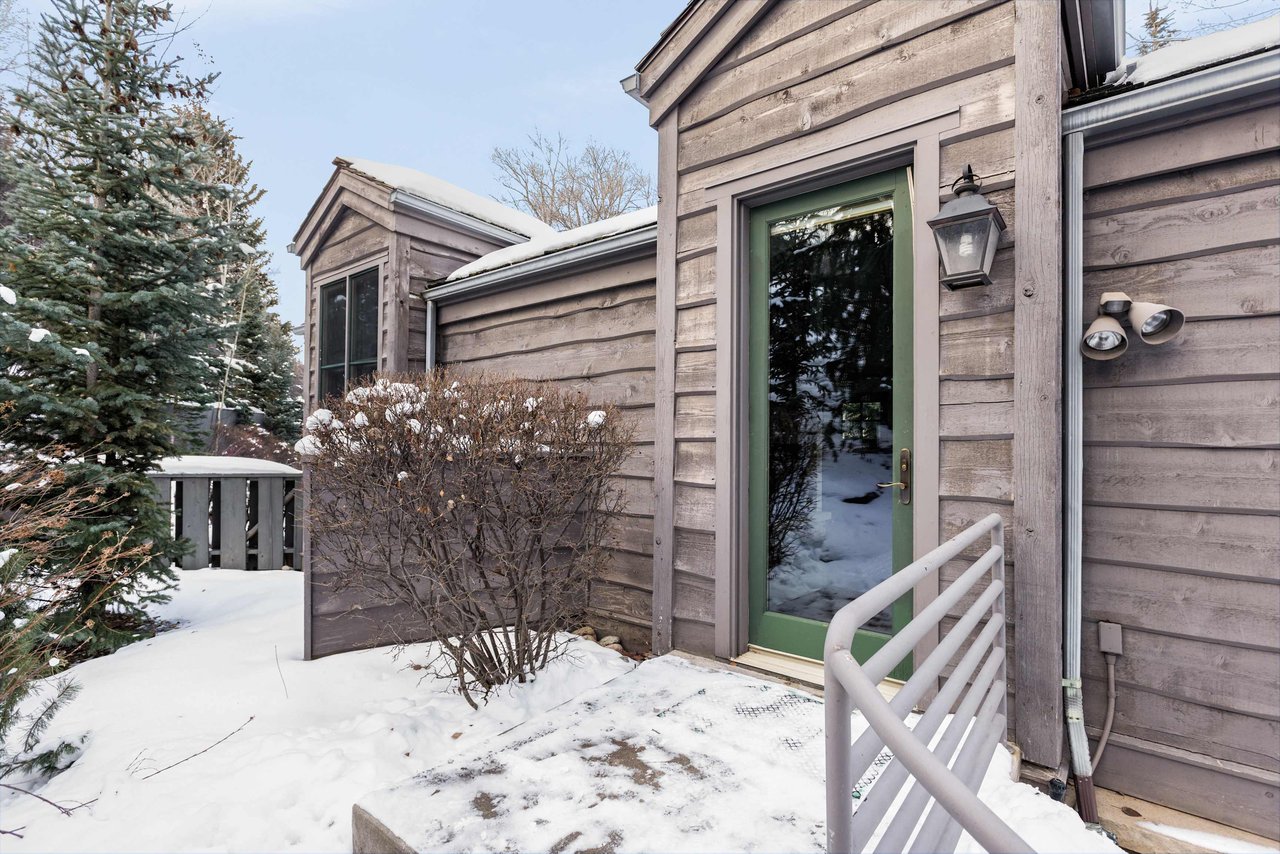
{"x": 270, "y": 523}
{"x": 195, "y": 520}
{"x": 233, "y": 539}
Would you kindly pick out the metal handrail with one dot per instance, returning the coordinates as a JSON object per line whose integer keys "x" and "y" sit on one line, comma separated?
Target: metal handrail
{"x": 942, "y": 800}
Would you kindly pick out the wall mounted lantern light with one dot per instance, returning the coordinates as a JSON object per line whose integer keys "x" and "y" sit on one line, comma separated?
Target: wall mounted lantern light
{"x": 1106, "y": 338}
{"x": 967, "y": 230}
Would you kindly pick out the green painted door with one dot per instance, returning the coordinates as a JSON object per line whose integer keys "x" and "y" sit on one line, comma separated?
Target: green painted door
{"x": 830, "y": 409}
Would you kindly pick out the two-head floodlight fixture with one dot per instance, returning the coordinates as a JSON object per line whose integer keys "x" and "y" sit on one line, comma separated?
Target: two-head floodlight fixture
{"x": 1153, "y": 323}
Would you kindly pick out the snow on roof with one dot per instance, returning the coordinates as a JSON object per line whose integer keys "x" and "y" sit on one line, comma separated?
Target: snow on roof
{"x": 242, "y": 466}
{"x": 1201, "y": 52}
{"x": 558, "y": 241}
{"x": 433, "y": 189}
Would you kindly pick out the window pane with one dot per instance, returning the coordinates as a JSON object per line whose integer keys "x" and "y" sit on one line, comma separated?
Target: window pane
{"x": 331, "y": 382}
{"x": 830, "y": 409}
{"x": 361, "y": 370}
{"x": 333, "y": 323}
{"x": 364, "y": 319}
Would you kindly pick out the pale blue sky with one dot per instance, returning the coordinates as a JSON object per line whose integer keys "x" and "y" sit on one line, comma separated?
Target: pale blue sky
{"x": 425, "y": 83}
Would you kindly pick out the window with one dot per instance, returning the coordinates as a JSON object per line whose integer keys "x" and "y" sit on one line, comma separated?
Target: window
{"x": 348, "y": 331}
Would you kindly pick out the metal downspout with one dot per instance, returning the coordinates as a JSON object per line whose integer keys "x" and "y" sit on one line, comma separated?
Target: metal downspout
{"x": 1255, "y": 76}
{"x": 1073, "y": 469}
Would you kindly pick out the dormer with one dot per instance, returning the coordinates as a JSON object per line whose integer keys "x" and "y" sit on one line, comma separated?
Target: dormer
{"x": 375, "y": 238}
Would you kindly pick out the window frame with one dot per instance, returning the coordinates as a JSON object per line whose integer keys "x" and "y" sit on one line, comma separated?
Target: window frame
{"x": 347, "y": 284}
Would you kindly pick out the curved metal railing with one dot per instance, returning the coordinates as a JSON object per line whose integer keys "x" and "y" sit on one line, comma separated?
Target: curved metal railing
{"x": 943, "y": 757}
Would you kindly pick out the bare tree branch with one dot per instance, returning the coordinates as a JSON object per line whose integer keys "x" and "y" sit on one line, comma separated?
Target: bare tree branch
{"x": 565, "y": 189}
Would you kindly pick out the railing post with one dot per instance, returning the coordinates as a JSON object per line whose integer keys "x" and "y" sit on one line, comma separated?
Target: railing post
{"x": 270, "y": 523}
{"x": 998, "y": 613}
{"x": 838, "y": 707}
{"x": 291, "y": 492}
{"x": 164, "y": 497}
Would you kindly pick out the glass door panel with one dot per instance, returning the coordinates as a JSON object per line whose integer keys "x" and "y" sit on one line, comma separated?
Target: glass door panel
{"x": 830, "y": 408}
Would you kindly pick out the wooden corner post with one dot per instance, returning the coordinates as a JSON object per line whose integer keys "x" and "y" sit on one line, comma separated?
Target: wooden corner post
{"x": 664, "y": 395}
{"x": 1037, "y": 382}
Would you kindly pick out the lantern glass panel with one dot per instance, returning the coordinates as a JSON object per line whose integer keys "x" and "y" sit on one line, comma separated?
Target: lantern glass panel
{"x": 963, "y": 245}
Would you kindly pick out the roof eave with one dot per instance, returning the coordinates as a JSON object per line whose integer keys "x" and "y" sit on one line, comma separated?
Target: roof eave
{"x": 403, "y": 201}
{"x": 1254, "y": 76}
{"x": 613, "y": 249}
{"x": 1094, "y": 32}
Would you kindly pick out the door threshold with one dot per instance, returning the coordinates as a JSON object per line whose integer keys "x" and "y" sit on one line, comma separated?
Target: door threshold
{"x": 797, "y": 668}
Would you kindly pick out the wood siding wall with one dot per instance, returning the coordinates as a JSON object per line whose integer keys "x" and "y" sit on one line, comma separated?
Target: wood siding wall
{"x": 357, "y": 229}
{"x": 1182, "y": 467}
{"x": 804, "y": 79}
{"x": 594, "y": 333}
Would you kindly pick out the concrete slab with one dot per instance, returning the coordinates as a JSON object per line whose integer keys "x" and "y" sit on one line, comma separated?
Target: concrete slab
{"x": 670, "y": 757}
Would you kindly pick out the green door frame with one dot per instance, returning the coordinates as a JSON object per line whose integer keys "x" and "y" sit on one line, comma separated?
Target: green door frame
{"x": 783, "y": 632}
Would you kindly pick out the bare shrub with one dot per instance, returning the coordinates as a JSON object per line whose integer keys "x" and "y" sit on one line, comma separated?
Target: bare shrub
{"x": 479, "y": 504}
{"x": 250, "y": 440}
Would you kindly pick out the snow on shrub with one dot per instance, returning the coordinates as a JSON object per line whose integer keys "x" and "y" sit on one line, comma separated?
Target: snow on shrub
{"x": 479, "y": 505}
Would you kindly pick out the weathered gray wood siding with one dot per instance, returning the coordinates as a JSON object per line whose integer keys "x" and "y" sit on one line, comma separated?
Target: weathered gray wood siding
{"x": 1182, "y": 467}
{"x": 352, "y": 227}
{"x": 804, "y": 78}
{"x": 591, "y": 332}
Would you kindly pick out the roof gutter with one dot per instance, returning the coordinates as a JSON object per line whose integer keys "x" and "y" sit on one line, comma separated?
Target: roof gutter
{"x": 1242, "y": 78}
{"x": 401, "y": 200}
{"x": 631, "y": 85}
{"x": 617, "y": 247}
{"x": 1229, "y": 82}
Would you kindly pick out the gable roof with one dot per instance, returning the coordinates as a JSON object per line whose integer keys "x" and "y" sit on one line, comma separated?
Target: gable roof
{"x": 688, "y": 49}
{"x": 433, "y": 190}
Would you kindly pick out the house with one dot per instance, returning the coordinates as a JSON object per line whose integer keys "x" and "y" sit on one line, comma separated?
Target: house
{"x": 802, "y": 149}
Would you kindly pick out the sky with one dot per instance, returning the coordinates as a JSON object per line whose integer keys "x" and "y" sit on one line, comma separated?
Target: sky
{"x": 430, "y": 84}
{"x": 437, "y": 84}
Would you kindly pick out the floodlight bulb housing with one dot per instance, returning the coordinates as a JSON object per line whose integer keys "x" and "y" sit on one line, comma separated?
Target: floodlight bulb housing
{"x": 1155, "y": 323}
{"x": 1105, "y": 339}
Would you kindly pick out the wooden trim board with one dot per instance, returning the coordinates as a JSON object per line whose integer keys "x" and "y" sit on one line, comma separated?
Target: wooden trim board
{"x": 1136, "y": 824}
{"x": 914, "y": 144}
{"x": 1037, "y": 383}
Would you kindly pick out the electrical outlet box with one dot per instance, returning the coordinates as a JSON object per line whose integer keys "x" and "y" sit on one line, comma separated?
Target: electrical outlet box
{"x": 1110, "y": 638}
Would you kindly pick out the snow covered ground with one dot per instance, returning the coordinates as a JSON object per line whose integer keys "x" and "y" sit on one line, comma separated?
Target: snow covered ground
{"x": 216, "y": 736}
{"x": 316, "y": 735}
{"x": 673, "y": 757}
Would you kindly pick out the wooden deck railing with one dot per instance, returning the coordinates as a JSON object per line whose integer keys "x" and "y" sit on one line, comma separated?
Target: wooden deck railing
{"x": 236, "y": 512}
{"x": 943, "y": 799}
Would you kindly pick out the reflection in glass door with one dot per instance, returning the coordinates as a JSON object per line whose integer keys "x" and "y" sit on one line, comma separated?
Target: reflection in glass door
{"x": 830, "y": 408}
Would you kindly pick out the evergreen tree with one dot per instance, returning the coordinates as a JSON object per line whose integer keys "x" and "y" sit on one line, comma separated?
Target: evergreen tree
{"x": 1157, "y": 28}
{"x": 255, "y": 353}
{"x": 107, "y": 276}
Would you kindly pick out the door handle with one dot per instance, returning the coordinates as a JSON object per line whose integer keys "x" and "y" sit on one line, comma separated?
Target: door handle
{"x": 903, "y": 483}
